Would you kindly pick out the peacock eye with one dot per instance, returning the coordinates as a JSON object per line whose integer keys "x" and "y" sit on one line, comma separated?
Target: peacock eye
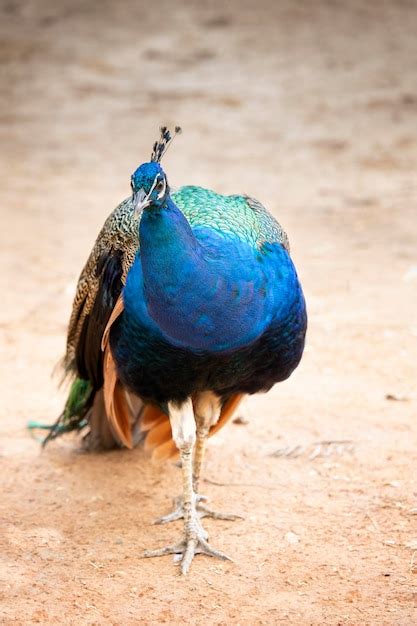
{"x": 160, "y": 185}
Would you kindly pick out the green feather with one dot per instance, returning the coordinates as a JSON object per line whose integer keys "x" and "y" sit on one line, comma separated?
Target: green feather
{"x": 73, "y": 415}
{"x": 78, "y": 398}
{"x": 238, "y": 215}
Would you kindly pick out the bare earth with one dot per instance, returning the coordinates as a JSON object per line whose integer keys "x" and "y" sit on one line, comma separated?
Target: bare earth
{"x": 312, "y": 108}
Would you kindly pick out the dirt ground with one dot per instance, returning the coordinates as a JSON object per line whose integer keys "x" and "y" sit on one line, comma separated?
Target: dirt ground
{"x": 312, "y": 108}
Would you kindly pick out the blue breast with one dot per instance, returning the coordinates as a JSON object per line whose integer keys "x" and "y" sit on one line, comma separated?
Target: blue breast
{"x": 220, "y": 298}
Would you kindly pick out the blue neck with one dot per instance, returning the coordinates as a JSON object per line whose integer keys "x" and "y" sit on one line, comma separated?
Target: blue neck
{"x": 168, "y": 248}
{"x": 176, "y": 276}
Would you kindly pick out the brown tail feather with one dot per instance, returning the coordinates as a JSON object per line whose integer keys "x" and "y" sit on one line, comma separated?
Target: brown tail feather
{"x": 115, "y": 402}
{"x": 152, "y": 416}
{"x": 158, "y": 434}
{"x": 165, "y": 451}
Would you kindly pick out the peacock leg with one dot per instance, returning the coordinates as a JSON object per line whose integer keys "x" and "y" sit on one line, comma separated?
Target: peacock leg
{"x": 195, "y": 537}
{"x": 206, "y": 412}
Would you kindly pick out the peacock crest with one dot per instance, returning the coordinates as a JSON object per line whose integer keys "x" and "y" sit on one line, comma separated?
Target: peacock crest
{"x": 161, "y": 146}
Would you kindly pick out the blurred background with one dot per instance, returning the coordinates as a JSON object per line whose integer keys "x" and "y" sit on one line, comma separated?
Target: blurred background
{"x": 312, "y": 109}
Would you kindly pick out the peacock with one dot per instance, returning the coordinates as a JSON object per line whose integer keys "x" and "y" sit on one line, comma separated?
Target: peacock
{"x": 188, "y": 301}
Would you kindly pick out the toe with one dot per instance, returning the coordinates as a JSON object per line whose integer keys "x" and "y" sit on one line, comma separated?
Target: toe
{"x": 207, "y": 549}
{"x": 189, "y": 553}
{"x": 205, "y": 511}
{"x": 171, "y": 517}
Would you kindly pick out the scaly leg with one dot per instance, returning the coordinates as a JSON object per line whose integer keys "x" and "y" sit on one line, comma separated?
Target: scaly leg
{"x": 195, "y": 537}
{"x": 207, "y": 412}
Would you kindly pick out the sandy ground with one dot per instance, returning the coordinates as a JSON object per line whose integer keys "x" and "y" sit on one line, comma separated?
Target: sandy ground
{"x": 312, "y": 108}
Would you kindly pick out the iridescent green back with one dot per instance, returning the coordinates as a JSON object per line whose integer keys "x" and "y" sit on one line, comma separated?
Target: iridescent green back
{"x": 239, "y": 215}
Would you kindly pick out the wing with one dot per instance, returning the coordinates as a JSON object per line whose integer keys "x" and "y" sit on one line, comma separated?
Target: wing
{"x": 99, "y": 287}
{"x": 97, "y": 303}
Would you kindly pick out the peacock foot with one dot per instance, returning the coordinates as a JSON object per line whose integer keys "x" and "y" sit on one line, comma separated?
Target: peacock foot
{"x": 194, "y": 542}
{"x": 202, "y": 510}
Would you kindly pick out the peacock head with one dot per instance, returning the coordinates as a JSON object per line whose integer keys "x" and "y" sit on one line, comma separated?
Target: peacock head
{"x": 149, "y": 182}
{"x": 149, "y": 186}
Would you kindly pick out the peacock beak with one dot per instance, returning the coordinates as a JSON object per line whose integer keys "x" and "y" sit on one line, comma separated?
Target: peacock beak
{"x": 140, "y": 200}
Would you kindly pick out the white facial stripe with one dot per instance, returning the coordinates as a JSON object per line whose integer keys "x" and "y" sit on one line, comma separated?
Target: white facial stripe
{"x": 152, "y": 188}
